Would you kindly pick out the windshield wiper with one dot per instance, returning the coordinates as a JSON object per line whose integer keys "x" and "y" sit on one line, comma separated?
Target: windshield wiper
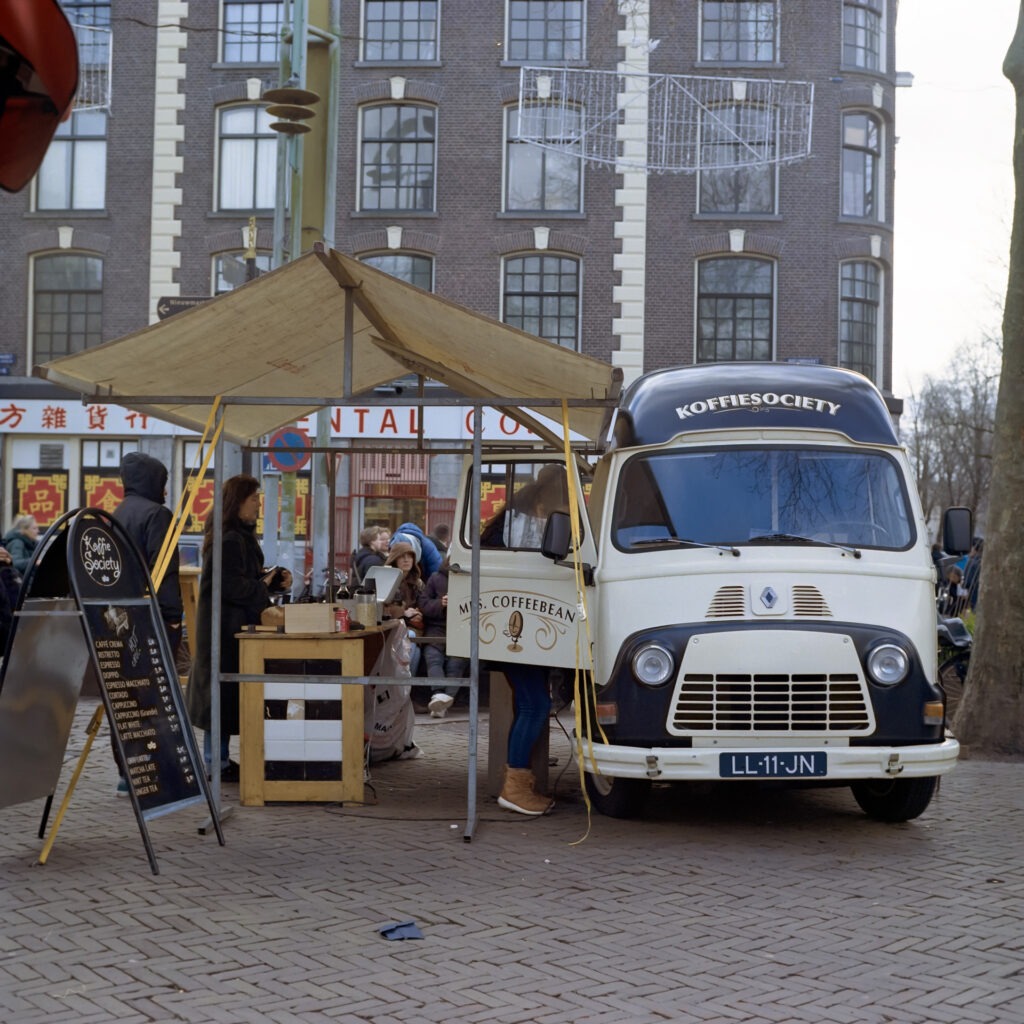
{"x": 683, "y": 542}
{"x": 795, "y": 538}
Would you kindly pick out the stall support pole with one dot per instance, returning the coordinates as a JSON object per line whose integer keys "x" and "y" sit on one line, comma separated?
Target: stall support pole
{"x": 474, "y": 627}
{"x": 217, "y": 554}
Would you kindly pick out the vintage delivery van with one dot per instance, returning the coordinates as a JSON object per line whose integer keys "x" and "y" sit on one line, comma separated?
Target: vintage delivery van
{"x": 757, "y": 590}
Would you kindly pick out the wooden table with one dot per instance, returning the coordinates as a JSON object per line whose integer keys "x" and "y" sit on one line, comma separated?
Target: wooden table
{"x": 356, "y": 651}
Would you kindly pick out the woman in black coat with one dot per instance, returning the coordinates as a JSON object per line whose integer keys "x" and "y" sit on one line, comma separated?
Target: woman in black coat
{"x": 244, "y": 595}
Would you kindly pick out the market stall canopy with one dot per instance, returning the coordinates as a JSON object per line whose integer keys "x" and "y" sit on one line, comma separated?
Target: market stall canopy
{"x": 282, "y": 337}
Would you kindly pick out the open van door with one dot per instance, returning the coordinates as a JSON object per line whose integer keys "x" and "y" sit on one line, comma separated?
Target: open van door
{"x": 529, "y": 609}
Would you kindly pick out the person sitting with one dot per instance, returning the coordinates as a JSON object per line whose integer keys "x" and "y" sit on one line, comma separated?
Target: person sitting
{"x": 433, "y": 603}
{"x": 955, "y": 594}
{"x": 405, "y": 605}
{"x": 20, "y": 541}
{"x": 373, "y": 550}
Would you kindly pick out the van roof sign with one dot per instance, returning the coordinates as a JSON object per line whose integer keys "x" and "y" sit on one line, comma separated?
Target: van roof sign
{"x": 719, "y": 396}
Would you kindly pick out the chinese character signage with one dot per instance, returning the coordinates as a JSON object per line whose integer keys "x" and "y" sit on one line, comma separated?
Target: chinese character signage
{"x": 41, "y": 495}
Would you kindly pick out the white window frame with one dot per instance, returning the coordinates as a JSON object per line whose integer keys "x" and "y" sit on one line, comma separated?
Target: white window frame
{"x": 258, "y": 43}
{"x": 400, "y": 210}
{"x": 879, "y": 7}
{"x": 774, "y": 59}
{"x": 879, "y": 168}
{"x": 545, "y": 156}
{"x": 771, "y": 168}
{"x": 270, "y": 153}
{"x": 544, "y": 58}
{"x": 68, "y": 142}
{"x": 364, "y": 37}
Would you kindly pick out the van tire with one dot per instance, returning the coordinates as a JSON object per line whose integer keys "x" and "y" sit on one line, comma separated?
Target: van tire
{"x": 617, "y": 798}
{"x": 894, "y": 799}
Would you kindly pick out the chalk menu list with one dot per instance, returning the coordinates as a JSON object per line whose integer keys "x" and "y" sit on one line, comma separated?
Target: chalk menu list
{"x": 144, "y": 714}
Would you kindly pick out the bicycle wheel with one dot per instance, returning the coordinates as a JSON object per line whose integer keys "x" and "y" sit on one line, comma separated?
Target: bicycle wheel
{"x": 952, "y": 676}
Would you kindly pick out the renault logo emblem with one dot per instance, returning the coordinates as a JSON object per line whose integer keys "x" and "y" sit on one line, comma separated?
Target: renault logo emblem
{"x": 769, "y": 598}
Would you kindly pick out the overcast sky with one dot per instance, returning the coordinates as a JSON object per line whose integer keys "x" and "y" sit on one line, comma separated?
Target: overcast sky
{"x": 954, "y": 180}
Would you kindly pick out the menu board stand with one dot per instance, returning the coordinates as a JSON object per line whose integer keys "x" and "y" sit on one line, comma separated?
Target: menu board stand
{"x": 89, "y": 574}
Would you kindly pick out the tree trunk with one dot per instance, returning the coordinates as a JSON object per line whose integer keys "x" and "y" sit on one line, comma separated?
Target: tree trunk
{"x": 991, "y": 717}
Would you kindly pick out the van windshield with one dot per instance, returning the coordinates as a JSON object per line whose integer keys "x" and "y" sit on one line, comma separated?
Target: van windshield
{"x": 758, "y": 496}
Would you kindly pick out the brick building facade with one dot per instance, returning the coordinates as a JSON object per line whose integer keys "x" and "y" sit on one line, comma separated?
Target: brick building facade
{"x": 150, "y": 196}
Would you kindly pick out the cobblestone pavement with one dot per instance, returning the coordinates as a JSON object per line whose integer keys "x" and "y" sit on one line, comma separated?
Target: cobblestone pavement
{"x": 725, "y": 904}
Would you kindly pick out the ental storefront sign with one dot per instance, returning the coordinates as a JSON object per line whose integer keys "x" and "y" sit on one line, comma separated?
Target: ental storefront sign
{"x": 385, "y": 423}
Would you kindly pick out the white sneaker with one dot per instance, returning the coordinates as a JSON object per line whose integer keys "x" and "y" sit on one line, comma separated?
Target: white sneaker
{"x": 410, "y": 753}
{"x": 439, "y": 705}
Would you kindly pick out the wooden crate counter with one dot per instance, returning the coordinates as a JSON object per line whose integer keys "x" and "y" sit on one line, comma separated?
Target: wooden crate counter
{"x": 356, "y": 651}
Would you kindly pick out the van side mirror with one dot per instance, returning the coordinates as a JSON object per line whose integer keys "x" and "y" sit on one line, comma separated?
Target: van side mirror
{"x": 557, "y": 540}
{"x": 957, "y": 531}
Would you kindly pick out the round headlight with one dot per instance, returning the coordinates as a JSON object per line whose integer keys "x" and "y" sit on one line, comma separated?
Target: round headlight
{"x": 652, "y": 665}
{"x": 888, "y": 664}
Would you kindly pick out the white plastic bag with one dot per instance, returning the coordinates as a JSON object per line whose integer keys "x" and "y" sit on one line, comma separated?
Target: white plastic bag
{"x": 390, "y": 718}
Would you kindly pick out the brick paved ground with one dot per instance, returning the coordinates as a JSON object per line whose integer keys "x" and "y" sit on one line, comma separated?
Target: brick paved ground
{"x": 723, "y": 905}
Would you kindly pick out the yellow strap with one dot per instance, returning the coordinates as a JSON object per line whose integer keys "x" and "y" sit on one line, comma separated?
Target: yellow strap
{"x": 584, "y": 683}
{"x": 187, "y": 498}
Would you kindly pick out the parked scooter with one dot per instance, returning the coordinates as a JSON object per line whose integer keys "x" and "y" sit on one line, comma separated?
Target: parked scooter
{"x": 955, "y": 643}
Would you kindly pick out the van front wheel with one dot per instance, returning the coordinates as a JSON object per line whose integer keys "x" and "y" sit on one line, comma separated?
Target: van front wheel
{"x": 617, "y": 798}
{"x": 894, "y": 799}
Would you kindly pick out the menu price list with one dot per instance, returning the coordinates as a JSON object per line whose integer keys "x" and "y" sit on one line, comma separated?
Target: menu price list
{"x": 144, "y": 712}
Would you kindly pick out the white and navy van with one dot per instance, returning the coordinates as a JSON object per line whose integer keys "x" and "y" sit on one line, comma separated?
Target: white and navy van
{"x": 759, "y": 594}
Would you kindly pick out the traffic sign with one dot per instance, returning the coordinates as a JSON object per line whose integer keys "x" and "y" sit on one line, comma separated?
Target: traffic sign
{"x": 289, "y": 449}
{"x": 171, "y": 304}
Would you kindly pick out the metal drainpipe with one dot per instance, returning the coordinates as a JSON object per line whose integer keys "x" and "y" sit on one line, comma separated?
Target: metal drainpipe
{"x": 324, "y": 492}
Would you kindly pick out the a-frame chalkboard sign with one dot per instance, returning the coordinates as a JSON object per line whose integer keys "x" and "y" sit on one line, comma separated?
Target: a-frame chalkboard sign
{"x": 87, "y": 608}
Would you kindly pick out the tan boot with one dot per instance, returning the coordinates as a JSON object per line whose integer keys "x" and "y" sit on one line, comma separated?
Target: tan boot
{"x": 518, "y": 795}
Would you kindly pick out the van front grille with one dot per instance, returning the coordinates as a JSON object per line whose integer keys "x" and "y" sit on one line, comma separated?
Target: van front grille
{"x": 773, "y": 703}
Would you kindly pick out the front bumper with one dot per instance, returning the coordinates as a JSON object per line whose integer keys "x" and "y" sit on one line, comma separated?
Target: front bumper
{"x": 695, "y": 764}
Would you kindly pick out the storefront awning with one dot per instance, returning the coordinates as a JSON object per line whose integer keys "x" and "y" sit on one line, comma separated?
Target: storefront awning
{"x": 282, "y": 337}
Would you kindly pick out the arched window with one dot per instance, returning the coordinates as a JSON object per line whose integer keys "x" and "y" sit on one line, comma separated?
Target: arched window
{"x": 860, "y": 300}
{"x": 541, "y": 294}
{"x": 396, "y": 171}
{"x": 67, "y": 304}
{"x": 246, "y": 159}
{"x": 735, "y": 309}
{"x": 862, "y": 167}
{"x": 232, "y": 269}
{"x": 417, "y": 270}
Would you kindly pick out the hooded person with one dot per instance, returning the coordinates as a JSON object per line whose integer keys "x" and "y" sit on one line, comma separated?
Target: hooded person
{"x": 146, "y": 519}
{"x": 429, "y": 557}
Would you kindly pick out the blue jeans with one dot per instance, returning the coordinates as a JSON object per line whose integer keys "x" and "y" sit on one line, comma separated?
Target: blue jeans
{"x": 225, "y": 747}
{"x": 532, "y": 707}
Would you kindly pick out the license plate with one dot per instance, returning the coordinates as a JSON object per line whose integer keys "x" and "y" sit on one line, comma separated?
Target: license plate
{"x": 771, "y": 764}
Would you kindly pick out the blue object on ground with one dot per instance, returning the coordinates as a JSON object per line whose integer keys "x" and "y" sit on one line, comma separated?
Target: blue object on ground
{"x": 400, "y": 930}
